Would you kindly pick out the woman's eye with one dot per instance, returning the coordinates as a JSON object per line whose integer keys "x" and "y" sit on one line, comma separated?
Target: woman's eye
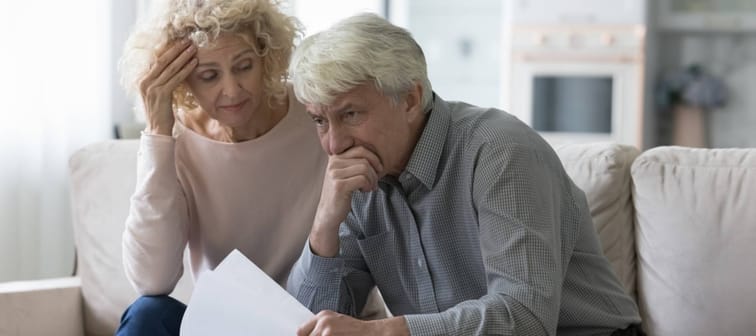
{"x": 244, "y": 66}
{"x": 207, "y": 76}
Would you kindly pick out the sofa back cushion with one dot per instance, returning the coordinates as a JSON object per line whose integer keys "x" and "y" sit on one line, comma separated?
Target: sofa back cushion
{"x": 103, "y": 177}
{"x": 602, "y": 171}
{"x": 696, "y": 228}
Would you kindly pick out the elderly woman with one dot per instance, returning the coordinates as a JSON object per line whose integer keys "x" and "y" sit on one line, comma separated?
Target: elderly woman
{"x": 228, "y": 159}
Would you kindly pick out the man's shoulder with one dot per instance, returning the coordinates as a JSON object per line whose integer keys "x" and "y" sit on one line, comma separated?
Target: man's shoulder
{"x": 491, "y": 127}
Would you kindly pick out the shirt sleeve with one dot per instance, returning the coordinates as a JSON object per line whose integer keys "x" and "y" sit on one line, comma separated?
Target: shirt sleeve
{"x": 156, "y": 229}
{"x": 341, "y": 283}
{"x": 519, "y": 194}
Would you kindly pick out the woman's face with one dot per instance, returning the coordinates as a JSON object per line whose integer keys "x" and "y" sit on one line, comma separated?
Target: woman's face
{"x": 228, "y": 81}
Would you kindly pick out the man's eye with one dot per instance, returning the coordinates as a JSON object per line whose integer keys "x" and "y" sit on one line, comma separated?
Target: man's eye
{"x": 318, "y": 121}
{"x": 352, "y": 117}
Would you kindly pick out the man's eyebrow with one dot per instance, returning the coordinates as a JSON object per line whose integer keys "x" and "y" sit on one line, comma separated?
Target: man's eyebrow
{"x": 340, "y": 109}
{"x": 344, "y": 108}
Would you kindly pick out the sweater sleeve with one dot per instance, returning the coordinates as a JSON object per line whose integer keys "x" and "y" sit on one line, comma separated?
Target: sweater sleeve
{"x": 156, "y": 231}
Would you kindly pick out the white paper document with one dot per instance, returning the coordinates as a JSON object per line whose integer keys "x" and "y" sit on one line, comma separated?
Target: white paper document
{"x": 238, "y": 298}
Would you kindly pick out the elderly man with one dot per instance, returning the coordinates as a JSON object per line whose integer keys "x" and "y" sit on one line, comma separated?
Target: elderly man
{"x": 462, "y": 216}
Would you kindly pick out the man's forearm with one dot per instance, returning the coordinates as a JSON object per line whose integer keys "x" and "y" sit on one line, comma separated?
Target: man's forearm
{"x": 491, "y": 314}
{"x": 324, "y": 242}
{"x": 393, "y": 326}
{"x": 316, "y": 281}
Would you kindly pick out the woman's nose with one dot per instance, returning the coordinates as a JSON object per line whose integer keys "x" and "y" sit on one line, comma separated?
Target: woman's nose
{"x": 231, "y": 87}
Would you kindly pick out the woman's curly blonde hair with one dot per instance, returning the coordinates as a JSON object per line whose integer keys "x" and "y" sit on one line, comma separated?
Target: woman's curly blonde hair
{"x": 260, "y": 23}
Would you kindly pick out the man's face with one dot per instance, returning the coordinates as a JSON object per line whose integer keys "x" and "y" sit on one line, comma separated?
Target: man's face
{"x": 365, "y": 117}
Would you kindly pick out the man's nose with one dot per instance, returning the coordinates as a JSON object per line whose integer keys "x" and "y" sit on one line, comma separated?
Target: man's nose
{"x": 338, "y": 141}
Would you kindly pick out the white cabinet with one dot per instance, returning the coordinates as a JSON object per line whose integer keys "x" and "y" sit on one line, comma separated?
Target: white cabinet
{"x": 538, "y": 12}
{"x": 707, "y": 15}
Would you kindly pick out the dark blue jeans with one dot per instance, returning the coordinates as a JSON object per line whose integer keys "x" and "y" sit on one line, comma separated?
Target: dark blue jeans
{"x": 152, "y": 315}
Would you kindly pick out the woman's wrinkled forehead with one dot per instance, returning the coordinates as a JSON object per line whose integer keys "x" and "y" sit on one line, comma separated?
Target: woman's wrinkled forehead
{"x": 225, "y": 49}
{"x": 206, "y": 41}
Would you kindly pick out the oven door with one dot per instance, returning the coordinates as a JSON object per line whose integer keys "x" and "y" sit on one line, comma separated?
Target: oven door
{"x": 578, "y": 102}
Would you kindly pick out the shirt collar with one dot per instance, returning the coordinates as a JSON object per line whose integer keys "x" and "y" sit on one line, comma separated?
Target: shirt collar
{"x": 423, "y": 164}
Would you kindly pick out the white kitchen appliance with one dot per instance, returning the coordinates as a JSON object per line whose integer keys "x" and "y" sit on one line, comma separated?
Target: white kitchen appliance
{"x": 576, "y": 75}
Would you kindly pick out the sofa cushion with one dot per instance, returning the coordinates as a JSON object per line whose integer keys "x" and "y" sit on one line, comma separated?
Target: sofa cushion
{"x": 696, "y": 228}
{"x": 26, "y": 307}
{"x": 103, "y": 177}
{"x": 602, "y": 171}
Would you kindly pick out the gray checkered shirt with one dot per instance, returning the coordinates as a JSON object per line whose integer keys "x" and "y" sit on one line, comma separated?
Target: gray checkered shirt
{"x": 483, "y": 233}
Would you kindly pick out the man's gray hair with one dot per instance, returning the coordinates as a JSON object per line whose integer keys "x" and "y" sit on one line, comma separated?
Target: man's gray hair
{"x": 353, "y": 52}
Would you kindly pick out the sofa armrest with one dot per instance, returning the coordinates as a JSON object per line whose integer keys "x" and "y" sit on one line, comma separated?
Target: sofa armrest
{"x": 42, "y": 307}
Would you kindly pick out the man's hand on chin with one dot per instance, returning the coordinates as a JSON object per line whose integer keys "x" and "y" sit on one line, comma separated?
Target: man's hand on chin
{"x": 329, "y": 323}
{"x": 355, "y": 169}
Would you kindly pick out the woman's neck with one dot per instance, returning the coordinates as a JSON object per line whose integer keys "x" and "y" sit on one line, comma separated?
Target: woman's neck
{"x": 262, "y": 122}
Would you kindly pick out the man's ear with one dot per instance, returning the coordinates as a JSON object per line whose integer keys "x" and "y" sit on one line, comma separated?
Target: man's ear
{"x": 414, "y": 100}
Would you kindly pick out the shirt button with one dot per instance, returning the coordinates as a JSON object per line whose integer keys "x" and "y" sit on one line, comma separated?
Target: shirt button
{"x": 420, "y": 262}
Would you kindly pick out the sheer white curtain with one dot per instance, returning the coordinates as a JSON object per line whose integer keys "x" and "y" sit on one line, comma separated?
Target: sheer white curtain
{"x": 54, "y": 92}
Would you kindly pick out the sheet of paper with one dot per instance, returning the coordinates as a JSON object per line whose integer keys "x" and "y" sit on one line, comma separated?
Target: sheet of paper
{"x": 238, "y": 298}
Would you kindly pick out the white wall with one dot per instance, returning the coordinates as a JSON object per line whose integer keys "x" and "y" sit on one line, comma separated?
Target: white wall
{"x": 317, "y": 15}
{"x": 462, "y": 45}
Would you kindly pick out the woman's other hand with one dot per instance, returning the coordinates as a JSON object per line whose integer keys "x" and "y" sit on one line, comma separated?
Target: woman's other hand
{"x": 168, "y": 71}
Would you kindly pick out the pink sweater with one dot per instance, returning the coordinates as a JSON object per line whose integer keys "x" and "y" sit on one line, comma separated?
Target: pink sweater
{"x": 258, "y": 196}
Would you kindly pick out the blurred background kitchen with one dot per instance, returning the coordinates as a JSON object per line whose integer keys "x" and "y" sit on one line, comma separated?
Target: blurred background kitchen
{"x": 645, "y": 73}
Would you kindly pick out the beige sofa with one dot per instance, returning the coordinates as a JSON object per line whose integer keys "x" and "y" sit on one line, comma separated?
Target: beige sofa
{"x": 678, "y": 225}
